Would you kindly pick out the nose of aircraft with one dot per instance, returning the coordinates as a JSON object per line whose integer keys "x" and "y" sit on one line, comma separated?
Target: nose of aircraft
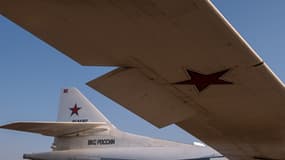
{"x": 34, "y": 157}
{"x": 27, "y": 156}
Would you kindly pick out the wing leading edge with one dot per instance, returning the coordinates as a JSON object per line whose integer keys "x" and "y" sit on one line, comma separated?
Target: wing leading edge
{"x": 179, "y": 62}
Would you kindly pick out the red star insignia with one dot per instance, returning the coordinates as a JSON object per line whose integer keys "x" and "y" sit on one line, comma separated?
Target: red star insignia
{"x": 74, "y": 110}
{"x": 202, "y": 81}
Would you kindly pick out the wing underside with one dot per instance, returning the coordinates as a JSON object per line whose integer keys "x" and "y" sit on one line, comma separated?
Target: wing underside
{"x": 178, "y": 63}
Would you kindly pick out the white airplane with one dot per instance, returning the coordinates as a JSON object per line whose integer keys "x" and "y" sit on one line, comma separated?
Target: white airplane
{"x": 178, "y": 62}
{"x": 83, "y": 133}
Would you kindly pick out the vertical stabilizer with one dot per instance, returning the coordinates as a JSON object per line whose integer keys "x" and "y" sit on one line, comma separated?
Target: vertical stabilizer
{"x": 75, "y": 107}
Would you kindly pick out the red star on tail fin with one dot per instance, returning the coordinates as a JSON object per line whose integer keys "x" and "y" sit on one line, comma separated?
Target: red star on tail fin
{"x": 75, "y": 110}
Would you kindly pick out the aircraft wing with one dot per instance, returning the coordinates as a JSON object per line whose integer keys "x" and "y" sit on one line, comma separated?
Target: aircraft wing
{"x": 56, "y": 129}
{"x": 179, "y": 62}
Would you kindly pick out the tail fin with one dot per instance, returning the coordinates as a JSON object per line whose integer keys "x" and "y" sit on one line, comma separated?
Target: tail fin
{"x": 74, "y": 107}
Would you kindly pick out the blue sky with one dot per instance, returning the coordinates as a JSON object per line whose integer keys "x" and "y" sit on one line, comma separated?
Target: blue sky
{"x": 32, "y": 74}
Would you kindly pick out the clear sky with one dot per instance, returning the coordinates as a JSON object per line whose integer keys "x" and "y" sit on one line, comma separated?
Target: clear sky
{"x": 32, "y": 74}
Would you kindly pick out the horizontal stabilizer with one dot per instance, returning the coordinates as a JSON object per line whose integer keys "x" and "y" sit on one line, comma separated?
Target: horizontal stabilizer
{"x": 56, "y": 129}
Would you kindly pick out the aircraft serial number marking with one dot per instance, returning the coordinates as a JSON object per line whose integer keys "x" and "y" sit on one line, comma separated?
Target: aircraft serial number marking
{"x": 80, "y": 120}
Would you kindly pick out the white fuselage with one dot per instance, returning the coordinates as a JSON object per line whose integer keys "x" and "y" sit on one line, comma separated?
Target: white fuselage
{"x": 115, "y": 144}
{"x": 83, "y": 133}
{"x": 128, "y": 153}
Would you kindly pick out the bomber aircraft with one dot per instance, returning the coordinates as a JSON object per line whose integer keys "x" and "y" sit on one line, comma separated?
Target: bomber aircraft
{"x": 178, "y": 62}
{"x": 83, "y": 133}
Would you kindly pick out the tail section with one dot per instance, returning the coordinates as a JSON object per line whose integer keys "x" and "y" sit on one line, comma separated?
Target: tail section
{"x": 80, "y": 125}
{"x": 75, "y": 107}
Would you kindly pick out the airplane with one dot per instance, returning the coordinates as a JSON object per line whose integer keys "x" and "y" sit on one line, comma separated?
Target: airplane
{"x": 82, "y": 132}
{"x": 181, "y": 60}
